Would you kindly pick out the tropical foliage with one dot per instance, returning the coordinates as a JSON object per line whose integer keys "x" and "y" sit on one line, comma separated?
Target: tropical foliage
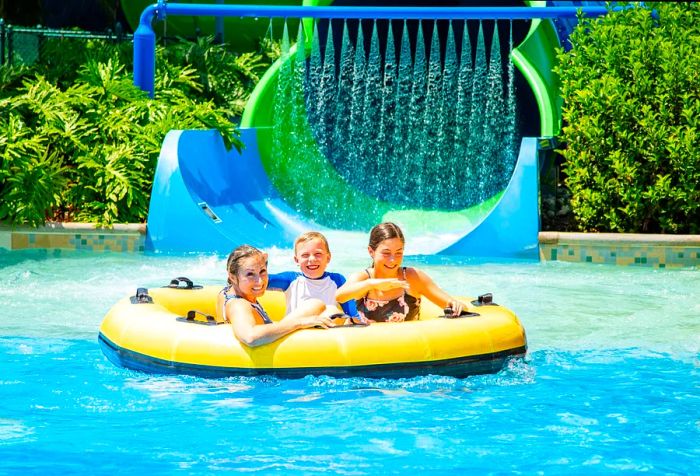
{"x": 631, "y": 90}
{"x": 78, "y": 141}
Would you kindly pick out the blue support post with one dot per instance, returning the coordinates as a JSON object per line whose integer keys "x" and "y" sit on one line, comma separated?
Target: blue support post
{"x": 145, "y": 52}
{"x": 219, "y": 36}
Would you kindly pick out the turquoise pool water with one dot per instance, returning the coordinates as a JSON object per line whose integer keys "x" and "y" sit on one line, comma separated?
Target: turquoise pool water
{"x": 611, "y": 382}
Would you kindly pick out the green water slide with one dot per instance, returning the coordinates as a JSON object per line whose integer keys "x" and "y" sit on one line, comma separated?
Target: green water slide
{"x": 534, "y": 57}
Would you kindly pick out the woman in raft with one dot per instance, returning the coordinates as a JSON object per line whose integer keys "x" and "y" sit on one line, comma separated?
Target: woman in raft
{"x": 238, "y": 302}
{"x": 387, "y": 291}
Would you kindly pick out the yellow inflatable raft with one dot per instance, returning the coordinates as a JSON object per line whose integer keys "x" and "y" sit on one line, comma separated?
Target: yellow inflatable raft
{"x": 174, "y": 330}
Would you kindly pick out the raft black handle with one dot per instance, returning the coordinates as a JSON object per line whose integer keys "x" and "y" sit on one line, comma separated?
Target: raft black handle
{"x": 192, "y": 318}
{"x": 141, "y": 297}
{"x": 351, "y": 320}
{"x": 484, "y": 300}
{"x": 450, "y": 314}
{"x": 192, "y": 314}
{"x": 188, "y": 284}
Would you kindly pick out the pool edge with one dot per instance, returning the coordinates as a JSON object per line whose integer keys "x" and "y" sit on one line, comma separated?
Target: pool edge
{"x": 620, "y": 249}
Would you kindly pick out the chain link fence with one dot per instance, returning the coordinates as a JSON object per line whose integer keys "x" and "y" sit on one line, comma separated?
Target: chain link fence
{"x": 24, "y": 45}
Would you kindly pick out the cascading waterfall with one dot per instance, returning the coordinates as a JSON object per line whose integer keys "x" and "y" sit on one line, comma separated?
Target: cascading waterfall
{"x": 366, "y": 122}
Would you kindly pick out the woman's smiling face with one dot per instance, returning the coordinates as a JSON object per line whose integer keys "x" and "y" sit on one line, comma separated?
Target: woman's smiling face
{"x": 251, "y": 279}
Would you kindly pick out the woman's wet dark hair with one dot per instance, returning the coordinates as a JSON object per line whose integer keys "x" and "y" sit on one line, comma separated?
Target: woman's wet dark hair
{"x": 240, "y": 253}
{"x": 384, "y": 231}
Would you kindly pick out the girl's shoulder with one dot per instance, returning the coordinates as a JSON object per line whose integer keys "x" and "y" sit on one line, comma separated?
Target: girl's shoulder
{"x": 415, "y": 276}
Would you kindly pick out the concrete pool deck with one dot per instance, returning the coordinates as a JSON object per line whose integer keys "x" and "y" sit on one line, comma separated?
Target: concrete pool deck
{"x": 621, "y": 249}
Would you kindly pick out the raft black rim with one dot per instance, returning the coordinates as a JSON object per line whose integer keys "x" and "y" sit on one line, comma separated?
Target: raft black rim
{"x": 457, "y": 367}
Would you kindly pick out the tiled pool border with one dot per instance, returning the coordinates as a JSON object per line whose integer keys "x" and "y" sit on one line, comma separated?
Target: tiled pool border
{"x": 659, "y": 251}
{"x": 623, "y": 249}
{"x": 75, "y": 236}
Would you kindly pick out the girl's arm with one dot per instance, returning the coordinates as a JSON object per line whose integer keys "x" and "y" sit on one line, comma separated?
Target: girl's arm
{"x": 422, "y": 283}
{"x": 359, "y": 284}
{"x": 247, "y": 330}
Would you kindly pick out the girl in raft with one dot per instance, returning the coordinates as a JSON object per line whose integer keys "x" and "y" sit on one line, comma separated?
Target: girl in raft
{"x": 387, "y": 291}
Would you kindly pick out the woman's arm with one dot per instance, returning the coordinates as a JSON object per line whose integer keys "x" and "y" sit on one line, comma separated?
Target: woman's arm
{"x": 247, "y": 330}
{"x": 422, "y": 283}
{"x": 220, "y": 310}
{"x": 359, "y": 284}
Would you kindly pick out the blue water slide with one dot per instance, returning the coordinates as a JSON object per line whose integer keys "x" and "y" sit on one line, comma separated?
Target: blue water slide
{"x": 208, "y": 199}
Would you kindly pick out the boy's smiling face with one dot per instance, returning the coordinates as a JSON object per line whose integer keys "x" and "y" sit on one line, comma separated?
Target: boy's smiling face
{"x": 312, "y": 257}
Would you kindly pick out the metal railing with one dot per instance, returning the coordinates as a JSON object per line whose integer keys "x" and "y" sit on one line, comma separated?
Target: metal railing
{"x": 25, "y": 45}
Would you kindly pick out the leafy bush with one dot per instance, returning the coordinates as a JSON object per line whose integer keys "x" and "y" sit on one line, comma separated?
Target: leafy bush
{"x": 226, "y": 79}
{"x": 78, "y": 141}
{"x": 631, "y": 90}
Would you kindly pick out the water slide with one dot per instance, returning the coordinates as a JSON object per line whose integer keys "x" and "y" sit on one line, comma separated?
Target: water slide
{"x": 208, "y": 199}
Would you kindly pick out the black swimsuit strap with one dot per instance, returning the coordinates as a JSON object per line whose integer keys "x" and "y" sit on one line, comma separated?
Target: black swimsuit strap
{"x": 256, "y": 305}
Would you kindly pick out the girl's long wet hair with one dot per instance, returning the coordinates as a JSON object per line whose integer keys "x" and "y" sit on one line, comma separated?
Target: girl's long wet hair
{"x": 233, "y": 264}
{"x": 384, "y": 231}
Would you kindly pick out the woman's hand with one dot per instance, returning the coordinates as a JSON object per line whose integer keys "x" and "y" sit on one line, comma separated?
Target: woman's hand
{"x": 315, "y": 321}
{"x": 456, "y": 306}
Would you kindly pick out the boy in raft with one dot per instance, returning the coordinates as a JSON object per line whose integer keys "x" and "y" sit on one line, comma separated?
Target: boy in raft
{"x": 387, "y": 291}
{"x": 238, "y": 302}
{"x": 312, "y": 254}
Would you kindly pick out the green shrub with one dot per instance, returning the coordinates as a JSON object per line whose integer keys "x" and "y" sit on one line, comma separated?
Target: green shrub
{"x": 78, "y": 141}
{"x": 631, "y": 91}
{"x": 87, "y": 152}
{"x": 226, "y": 79}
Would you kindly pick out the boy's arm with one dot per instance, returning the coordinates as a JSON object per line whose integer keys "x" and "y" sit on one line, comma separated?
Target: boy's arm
{"x": 281, "y": 281}
{"x": 348, "y": 307}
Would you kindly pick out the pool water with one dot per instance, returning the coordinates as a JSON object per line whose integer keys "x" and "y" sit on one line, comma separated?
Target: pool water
{"x": 610, "y": 384}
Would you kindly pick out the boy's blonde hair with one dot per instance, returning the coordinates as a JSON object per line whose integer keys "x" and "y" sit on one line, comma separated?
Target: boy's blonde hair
{"x": 311, "y": 235}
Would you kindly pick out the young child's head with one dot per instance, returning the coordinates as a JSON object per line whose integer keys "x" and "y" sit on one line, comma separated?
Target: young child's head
{"x": 247, "y": 271}
{"x": 312, "y": 254}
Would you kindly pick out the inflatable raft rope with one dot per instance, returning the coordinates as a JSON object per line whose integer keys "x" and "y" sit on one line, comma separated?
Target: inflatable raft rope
{"x": 175, "y": 329}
